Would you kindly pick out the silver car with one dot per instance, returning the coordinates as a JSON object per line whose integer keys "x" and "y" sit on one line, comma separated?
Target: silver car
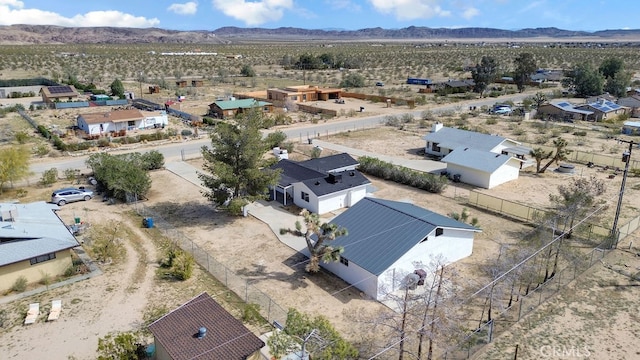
{"x": 67, "y": 195}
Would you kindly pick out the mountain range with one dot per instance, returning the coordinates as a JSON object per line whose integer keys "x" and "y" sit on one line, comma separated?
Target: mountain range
{"x": 49, "y": 34}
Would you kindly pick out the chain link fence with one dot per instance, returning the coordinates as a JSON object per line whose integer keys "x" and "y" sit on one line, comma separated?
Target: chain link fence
{"x": 242, "y": 287}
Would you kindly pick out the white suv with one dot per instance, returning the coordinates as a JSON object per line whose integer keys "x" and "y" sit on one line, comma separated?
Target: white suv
{"x": 67, "y": 195}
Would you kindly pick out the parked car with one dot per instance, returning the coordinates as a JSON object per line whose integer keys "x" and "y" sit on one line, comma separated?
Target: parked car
{"x": 68, "y": 195}
{"x": 501, "y": 110}
{"x": 379, "y": 83}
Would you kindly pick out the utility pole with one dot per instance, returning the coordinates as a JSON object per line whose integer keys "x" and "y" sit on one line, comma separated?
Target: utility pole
{"x": 626, "y": 158}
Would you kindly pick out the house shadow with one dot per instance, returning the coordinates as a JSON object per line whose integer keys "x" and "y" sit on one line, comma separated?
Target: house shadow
{"x": 416, "y": 151}
{"x": 188, "y": 214}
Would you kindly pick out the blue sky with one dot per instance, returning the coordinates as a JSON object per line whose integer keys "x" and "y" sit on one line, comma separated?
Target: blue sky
{"x": 589, "y": 15}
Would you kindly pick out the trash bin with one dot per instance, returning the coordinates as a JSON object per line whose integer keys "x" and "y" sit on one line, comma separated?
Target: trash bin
{"x": 77, "y": 220}
{"x": 148, "y": 223}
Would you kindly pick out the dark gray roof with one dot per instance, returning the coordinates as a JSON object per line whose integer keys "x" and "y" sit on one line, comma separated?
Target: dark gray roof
{"x": 293, "y": 172}
{"x": 381, "y": 231}
{"x": 632, "y": 102}
{"x": 484, "y": 161}
{"x": 30, "y": 230}
{"x": 338, "y": 181}
{"x": 329, "y": 163}
{"x": 452, "y": 138}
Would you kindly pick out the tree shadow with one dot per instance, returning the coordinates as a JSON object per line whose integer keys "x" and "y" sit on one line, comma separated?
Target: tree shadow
{"x": 188, "y": 214}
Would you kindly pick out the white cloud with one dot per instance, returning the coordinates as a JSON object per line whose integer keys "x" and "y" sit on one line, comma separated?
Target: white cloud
{"x": 410, "y": 9}
{"x": 343, "y": 5}
{"x": 253, "y": 12}
{"x": 188, "y": 8}
{"x": 12, "y": 3}
{"x": 530, "y": 6}
{"x": 12, "y": 12}
{"x": 470, "y": 12}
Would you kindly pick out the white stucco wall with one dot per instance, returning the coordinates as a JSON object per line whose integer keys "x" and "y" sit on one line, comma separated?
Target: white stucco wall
{"x": 452, "y": 245}
{"x": 470, "y": 176}
{"x": 151, "y": 120}
{"x": 354, "y": 275}
{"x": 507, "y": 172}
{"x": 329, "y": 202}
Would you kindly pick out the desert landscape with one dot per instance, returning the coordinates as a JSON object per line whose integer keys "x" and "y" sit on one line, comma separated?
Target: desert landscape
{"x": 126, "y": 295}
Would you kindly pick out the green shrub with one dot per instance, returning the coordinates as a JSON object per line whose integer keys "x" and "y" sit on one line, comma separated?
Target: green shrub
{"x": 21, "y": 137}
{"x": 58, "y": 143}
{"x": 580, "y": 133}
{"x": 70, "y": 174}
{"x": 49, "y": 177}
{"x": 425, "y": 181}
{"x": 186, "y": 132}
{"x": 152, "y": 160}
{"x": 20, "y": 285}
{"x": 44, "y": 131}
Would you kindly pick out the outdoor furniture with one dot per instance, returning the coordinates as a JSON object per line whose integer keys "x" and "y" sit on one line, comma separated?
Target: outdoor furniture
{"x": 56, "y": 308}
{"x": 32, "y": 313}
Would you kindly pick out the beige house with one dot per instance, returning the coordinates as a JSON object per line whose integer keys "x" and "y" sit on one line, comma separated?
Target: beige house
{"x": 202, "y": 329}
{"x": 34, "y": 242}
{"x": 303, "y": 93}
{"x": 52, "y": 94}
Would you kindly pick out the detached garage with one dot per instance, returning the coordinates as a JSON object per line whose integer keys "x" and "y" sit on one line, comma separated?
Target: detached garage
{"x": 482, "y": 168}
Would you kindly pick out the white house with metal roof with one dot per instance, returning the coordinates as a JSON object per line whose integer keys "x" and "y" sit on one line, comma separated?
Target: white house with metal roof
{"x": 480, "y": 159}
{"x": 442, "y": 140}
{"x": 387, "y": 240}
{"x": 320, "y": 185}
{"x": 481, "y": 168}
{"x": 33, "y": 241}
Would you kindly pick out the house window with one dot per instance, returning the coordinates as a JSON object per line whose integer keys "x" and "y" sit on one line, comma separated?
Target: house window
{"x": 439, "y": 231}
{"x": 294, "y": 98}
{"x": 435, "y": 147}
{"x": 304, "y": 196}
{"x": 42, "y": 258}
{"x": 131, "y": 123}
{"x": 304, "y": 97}
{"x": 344, "y": 261}
{"x": 504, "y": 152}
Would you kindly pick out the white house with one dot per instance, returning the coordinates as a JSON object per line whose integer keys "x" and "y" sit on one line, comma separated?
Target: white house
{"x": 387, "y": 239}
{"x": 320, "y": 185}
{"x": 482, "y": 168}
{"x": 121, "y": 120}
{"x": 443, "y": 140}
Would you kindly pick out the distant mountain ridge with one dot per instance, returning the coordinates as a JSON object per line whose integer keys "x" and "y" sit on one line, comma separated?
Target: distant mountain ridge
{"x": 50, "y": 34}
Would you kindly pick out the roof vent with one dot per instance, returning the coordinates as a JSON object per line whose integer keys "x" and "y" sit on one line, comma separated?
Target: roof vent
{"x": 317, "y": 182}
{"x": 352, "y": 174}
{"x": 202, "y": 332}
{"x": 497, "y": 155}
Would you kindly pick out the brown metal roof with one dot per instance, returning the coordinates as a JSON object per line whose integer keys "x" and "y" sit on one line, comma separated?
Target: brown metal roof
{"x": 113, "y": 116}
{"x": 226, "y": 337}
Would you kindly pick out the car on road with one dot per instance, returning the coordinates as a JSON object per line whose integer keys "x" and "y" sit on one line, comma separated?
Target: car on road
{"x": 68, "y": 195}
{"x": 502, "y": 110}
{"x": 379, "y": 83}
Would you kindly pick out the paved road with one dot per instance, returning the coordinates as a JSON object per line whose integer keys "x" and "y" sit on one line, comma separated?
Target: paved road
{"x": 191, "y": 149}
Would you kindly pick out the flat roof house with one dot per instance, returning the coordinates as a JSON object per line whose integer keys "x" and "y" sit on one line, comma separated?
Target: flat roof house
{"x": 303, "y": 93}
{"x": 33, "y": 241}
{"x": 387, "y": 239}
{"x": 52, "y": 94}
{"x": 202, "y": 329}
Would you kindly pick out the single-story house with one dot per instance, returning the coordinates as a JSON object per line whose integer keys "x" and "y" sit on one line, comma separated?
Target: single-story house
{"x": 202, "y": 329}
{"x": 631, "y": 128}
{"x": 443, "y": 140}
{"x": 197, "y": 83}
{"x": 387, "y": 240}
{"x": 181, "y": 83}
{"x": 33, "y": 241}
{"x": 563, "y": 111}
{"x": 121, "y": 121}
{"x": 303, "y": 93}
{"x": 230, "y": 108}
{"x": 320, "y": 185}
{"x": 457, "y": 85}
{"x": 603, "y": 109}
{"x": 482, "y": 168}
{"x": 52, "y": 94}
{"x": 633, "y": 103}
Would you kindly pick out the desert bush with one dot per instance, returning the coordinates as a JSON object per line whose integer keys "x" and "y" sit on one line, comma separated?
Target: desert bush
{"x": 20, "y": 285}
{"x": 70, "y": 174}
{"x": 275, "y": 139}
{"x": 391, "y": 120}
{"x": 49, "y": 177}
{"x": 186, "y": 132}
{"x": 177, "y": 264}
{"x": 491, "y": 121}
{"x": 425, "y": 181}
{"x": 152, "y": 160}
{"x": 21, "y": 137}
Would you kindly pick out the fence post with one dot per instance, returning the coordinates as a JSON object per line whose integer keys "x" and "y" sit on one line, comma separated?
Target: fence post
{"x": 520, "y": 307}
{"x": 246, "y": 291}
{"x": 208, "y": 267}
{"x": 559, "y": 278}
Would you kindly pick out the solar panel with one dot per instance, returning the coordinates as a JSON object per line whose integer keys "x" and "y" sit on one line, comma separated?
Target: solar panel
{"x": 564, "y": 104}
{"x": 59, "y": 89}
